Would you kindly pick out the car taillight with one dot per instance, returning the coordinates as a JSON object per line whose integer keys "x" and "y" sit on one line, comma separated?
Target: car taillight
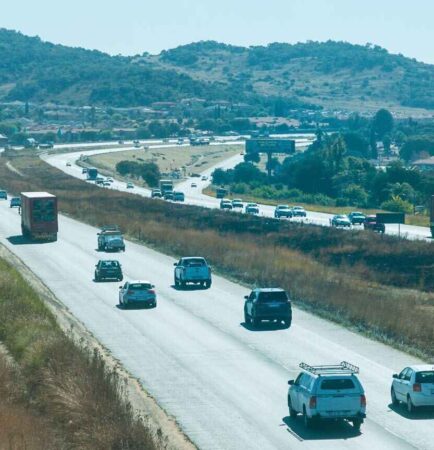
{"x": 151, "y": 291}
{"x": 362, "y": 400}
{"x": 312, "y": 402}
{"x": 130, "y": 292}
{"x": 417, "y": 387}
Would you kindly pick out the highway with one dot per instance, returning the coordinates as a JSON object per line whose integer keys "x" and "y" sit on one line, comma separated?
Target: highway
{"x": 195, "y": 196}
{"x": 224, "y": 383}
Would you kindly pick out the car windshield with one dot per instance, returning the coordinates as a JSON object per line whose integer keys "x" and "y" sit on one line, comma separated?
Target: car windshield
{"x": 139, "y": 286}
{"x": 110, "y": 264}
{"x": 269, "y": 297}
{"x": 427, "y": 376}
{"x": 337, "y": 384}
{"x": 113, "y": 237}
{"x": 341, "y": 217}
{"x": 357, "y": 214}
{"x": 194, "y": 262}
{"x": 283, "y": 207}
{"x": 300, "y": 208}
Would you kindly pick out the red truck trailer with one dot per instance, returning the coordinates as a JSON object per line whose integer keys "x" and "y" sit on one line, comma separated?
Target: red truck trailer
{"x": 39, "y": 216}
{"x": 431, "y": 222}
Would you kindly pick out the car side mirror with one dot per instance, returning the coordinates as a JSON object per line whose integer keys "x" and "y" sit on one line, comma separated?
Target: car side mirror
{"x": 120, "y": 287}
{"x": 246, "y": 297}
{"x": 175, "y": 264}
{"x": 291, "y": 382}
{"x": 395, "y": 375}
{"x": 152, "y": 286}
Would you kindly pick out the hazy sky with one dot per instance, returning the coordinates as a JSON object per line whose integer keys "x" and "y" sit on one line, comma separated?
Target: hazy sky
{"x": 134, "y": 26}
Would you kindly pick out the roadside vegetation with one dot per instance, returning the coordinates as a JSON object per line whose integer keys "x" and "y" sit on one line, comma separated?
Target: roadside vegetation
{"x": 379, "y": 284}
{"x": 54, "y": 394}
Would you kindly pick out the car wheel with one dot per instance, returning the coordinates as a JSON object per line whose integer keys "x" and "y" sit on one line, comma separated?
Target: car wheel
{"x": 246, "y": 317}
{"x": 96, "y": 278}
{"x": 182, "y": 284}
{"x": 287, "y": 323}
{"x": 121, "y": 278}
{"x": 393, "y": 397}
{"x": 410, "y": 407}
{"x": 256, "y": 322}
{"x": 292, "y": 411}
{"x": 306, "y": 419}
{"x": 357, "y": 423}
{"x": 208, "y": 284}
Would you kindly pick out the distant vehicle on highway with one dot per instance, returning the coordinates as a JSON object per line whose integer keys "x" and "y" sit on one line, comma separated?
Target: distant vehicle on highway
{"x": 327, "y": 393}
{"x": 99, "y": 181}
{"x": 168, "y": 196}
{"x": 39, "y": 216}
{"x": 225, "y": 204}
{"x": 110, "y": 239}
{"x": 371, "y": 223}
{"x": 252, "y": 208}
{"x": 3, "y": 195}
{"x": 136, "y": 141}
{"x": 192, "y": 270}
{"x": 221, "y": 192}
{"x": 137, "y": 292}
{"x": 146, "y": 147}
{"x": 106, "y": 183}
{"x": 15, "y": 202}
{"x": 282, "y": 211}
{"x": 120, "y": 142}
{"x": 156, "y": 193}
{"x": 180, "y": 141}
{"x": 178, "y": 196}
{"x": 193, "y": 185}
{"x": 272, "y": 305}
{"x": 68, "y": 164}
{"x": 46, "y": 145}
{"x": 108, "y": 270}
{"x": 130, "y": 185}
{"x": 92, "y": 174}
{"x": 84, "y": 170}
{"x": 110, "y": 180}
{"x": 298, "y": 211}
{"x": 237, "y": 203}
{"x": 356, "y": 218}
{"x": 204, "y": 178}
{"x": 340, "y": 220}
{"x": 165, "y": 186}
{"x": 414, "y": 387}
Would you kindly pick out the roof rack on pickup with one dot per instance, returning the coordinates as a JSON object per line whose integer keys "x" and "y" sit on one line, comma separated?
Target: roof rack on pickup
{"x": 343, "y": 367}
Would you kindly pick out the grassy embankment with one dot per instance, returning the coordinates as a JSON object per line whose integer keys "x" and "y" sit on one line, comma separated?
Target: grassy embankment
{"x": 54, "y": 394}
{"x": 194, "y": 159}
{"x": 378, "y": 284}
{"x": 421, "y": 220}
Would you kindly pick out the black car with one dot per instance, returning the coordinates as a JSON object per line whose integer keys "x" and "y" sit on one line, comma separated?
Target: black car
{"x": 178, "y": 196}
{"x": 268, "y": 304}
{"x": 108, "y": 270}
{"x": 168, "y": 196}
{"x": 371, "y": 223}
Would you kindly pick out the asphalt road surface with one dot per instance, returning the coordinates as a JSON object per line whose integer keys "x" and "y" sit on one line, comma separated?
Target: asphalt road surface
{"x": 194, "y": 195}
{"x": 225, "y": 383}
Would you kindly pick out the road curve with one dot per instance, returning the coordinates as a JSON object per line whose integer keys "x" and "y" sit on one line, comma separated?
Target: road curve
{"x": 225, "y": 384}
{"x": 194, "y": 196}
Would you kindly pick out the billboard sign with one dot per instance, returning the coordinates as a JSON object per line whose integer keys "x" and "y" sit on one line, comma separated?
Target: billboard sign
{"x": 265, "y": 145}
{"x": 391, "y": 218}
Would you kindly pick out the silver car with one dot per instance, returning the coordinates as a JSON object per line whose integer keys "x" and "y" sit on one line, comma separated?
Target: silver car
{"x": 137, "y": 292}
{"x": 414, "y": 386}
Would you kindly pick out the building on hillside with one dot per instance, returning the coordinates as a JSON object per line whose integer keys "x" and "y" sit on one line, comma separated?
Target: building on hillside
{"x": 425, "y": 165}
{"x": 3, "y": 140}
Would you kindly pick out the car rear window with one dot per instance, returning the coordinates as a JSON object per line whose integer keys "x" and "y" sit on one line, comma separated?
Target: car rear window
{"x": 278, "y": 296}
{"x": 337, "y": 384}
{"x": 196, "y": 262}
{"x": 139, "y": 286}
{"x": 426, "y": 376}
{"x": 110, "y": 264}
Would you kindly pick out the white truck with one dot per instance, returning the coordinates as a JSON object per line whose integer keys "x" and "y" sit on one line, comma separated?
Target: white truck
{"x": 166, "y": 186}
{"x": 110, "y": 239}
{"x": 192, "y": 269}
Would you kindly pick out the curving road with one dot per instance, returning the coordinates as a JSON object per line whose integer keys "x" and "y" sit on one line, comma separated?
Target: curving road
{"x": 195, "y": 196}
{"x": 224, "y": 383}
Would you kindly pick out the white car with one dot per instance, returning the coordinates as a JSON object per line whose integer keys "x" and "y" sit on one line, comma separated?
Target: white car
{"x": 329, "y": 392}
{"x": 414, "y": 386}
{"x": 204, "y": 178}
{"x": 130, "y": 185}
{"x": 137, "y": 292}
{"x": 193, "y": 185}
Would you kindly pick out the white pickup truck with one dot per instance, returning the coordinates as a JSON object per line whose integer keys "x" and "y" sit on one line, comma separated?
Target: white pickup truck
{"x": 192, "y": 269}
{"x": 110, "y": 239}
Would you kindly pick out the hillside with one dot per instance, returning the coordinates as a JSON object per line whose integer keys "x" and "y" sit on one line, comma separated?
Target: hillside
{"x": 329, "y": 74}
{"x": 274, "y": 78}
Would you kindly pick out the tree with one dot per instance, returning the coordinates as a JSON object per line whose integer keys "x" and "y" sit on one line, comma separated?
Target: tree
{"x": 382, "y": 123}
